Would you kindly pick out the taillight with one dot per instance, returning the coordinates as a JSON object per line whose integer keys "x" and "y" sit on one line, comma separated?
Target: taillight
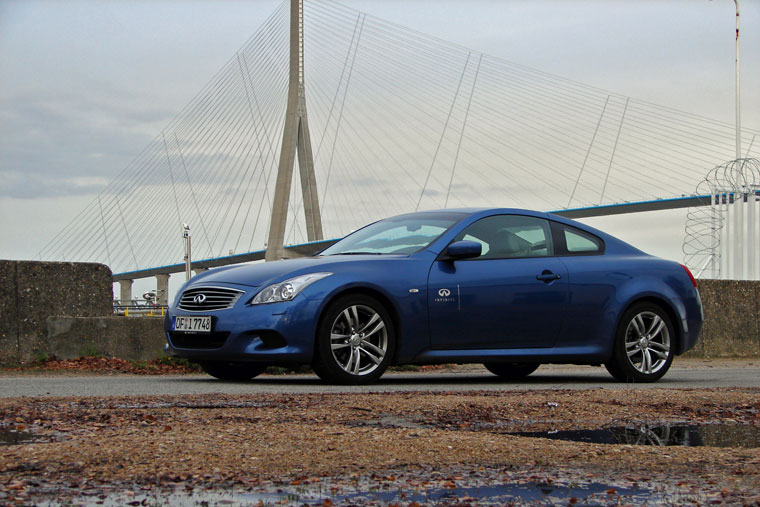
{"x": 691, "y": 277}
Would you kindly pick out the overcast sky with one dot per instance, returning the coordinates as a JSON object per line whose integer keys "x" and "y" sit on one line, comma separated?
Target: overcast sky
{"x": 85, "y": 85}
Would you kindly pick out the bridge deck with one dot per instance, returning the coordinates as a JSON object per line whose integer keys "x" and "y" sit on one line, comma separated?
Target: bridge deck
{"x": 306, "y": 249}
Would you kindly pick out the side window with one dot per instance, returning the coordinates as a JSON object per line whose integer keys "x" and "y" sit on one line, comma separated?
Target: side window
{"x": 510, "y": 236}
{"x": 581, "y": 243}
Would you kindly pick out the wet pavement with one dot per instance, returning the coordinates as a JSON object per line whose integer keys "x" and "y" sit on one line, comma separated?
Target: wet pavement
{"x": 13, "y": 437}
{"x": 689, "y": 435}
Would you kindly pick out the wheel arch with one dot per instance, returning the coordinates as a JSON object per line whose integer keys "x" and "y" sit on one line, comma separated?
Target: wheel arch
{"x": 666, "y": 306}
{"x": 365, "y": 291}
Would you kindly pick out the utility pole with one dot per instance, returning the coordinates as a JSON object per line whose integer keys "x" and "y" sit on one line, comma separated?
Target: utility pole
{"x": 296, "y": 140}
{"x": 738, "y": 110}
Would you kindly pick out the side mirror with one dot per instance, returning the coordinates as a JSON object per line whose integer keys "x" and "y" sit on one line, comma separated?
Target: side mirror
{"x": 463, "y": 250}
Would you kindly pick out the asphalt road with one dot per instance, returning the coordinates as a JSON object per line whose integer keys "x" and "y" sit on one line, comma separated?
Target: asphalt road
{"x": 687, "y": 374}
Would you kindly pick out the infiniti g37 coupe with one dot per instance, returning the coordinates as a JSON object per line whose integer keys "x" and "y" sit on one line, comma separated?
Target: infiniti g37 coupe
{"x": 508, "y": 288}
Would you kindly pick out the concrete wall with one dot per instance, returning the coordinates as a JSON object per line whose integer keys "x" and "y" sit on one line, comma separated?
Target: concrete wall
{"x": 32, "y": 291}
{"x": 9, "y": 323}
{"x": 65, "y": 310}
{"x": 732, "y": 319}
{"x": 138, "y": 338}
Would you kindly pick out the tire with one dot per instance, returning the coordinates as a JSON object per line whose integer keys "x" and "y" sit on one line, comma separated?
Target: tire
{"x": 512, "y": 371}
{"x": 228, "y": 370}
{"x": 355, "y": 341}
{"x": 644, "y": 344}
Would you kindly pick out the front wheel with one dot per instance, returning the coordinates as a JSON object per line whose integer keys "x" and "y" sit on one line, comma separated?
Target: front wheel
{"x": 355, "y": 341}
{"x": 511, "y": 371}
{"x": 228, "y": 370}
{"x": 644, "y": 343}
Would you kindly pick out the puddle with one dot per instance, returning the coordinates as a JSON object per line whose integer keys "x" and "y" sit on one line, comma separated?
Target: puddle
{"x": 707, "y": 435}
{"x": 388, "y": 421}
{"x": 8, "y": 437}
{"x": 503, "y": 494}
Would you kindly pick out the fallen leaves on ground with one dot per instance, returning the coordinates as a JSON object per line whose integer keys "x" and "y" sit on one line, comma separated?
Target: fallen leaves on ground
{"x": 198, "y": 442}
{"x": 110, "y": 365}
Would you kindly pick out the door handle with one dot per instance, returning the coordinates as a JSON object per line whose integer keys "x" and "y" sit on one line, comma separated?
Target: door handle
{"x": 547, "y": 276}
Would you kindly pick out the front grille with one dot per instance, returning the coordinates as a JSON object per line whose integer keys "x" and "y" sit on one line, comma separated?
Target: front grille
{"x": 198, "y": 341}
{"x": 205, "y": 299}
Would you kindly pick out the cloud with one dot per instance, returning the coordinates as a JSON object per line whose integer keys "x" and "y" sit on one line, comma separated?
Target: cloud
{"x": 49, "y": 143}
{"x": 86, "y": 86}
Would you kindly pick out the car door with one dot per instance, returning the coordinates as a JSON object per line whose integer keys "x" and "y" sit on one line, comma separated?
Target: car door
{"x": 593, "y": 278}
{"x": 513, "y": 296}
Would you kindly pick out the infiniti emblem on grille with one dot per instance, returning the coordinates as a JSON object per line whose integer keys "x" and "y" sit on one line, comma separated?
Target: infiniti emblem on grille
{"x": 200, "y": 298}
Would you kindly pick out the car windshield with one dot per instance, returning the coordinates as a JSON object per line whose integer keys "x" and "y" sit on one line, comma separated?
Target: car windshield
{"x": 403, "y": 234}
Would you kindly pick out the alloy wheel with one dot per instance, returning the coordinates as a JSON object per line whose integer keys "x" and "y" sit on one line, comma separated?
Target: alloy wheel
{"x": 647, "y": 342}
{"x": 359, "y": 339}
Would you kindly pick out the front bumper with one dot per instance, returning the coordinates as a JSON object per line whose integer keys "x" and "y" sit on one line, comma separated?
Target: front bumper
{"x": 271, "y": 333}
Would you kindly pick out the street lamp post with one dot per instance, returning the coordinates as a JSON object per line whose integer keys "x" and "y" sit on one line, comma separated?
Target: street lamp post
{"x": 186, "y": 236}
{"x": 738, "y": 90}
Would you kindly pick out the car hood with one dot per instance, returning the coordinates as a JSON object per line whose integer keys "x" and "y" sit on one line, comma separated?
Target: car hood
{"x": 255, "y": 275}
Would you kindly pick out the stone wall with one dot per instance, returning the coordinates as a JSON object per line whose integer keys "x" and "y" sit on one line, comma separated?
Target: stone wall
{"x": 31, "y": 292}
{"x": 137, "y": 338}
{"x": 732, "y": 319}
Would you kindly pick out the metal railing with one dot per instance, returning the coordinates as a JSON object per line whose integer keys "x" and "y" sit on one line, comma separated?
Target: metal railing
{"x": 138, "y": 308}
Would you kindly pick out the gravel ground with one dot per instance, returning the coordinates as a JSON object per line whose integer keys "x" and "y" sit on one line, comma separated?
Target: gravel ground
{"x": 399, "y": 448}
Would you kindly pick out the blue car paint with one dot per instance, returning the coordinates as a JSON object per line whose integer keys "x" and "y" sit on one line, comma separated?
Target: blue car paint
{"x": 575, "y": 316}
{"x": 496, "y": 303}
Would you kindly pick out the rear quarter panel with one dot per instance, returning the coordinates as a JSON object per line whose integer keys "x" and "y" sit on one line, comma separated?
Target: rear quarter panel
{"x": 603, "y": 287}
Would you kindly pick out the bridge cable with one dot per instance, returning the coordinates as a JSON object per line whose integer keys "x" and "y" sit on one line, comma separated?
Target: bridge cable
{"x": 614, "y": 148}
{"x": 591, "y": 145}
{"x": 340, "y": 111}
{"x": 443, "y": 131}
{"x": 461, "y": 132}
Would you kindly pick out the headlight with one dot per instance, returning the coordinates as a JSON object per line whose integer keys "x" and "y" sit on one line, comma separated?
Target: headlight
{"x": 287, "y": 290}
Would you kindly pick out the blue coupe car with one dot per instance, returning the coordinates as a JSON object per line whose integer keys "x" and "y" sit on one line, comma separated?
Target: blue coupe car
{"x": 508, "y": 288}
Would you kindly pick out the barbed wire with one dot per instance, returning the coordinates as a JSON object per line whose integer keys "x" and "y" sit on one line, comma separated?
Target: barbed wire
{"x": 705, "y": 244}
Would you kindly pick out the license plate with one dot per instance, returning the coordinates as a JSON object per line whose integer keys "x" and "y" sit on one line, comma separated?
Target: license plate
{"x": 193, "y": 324}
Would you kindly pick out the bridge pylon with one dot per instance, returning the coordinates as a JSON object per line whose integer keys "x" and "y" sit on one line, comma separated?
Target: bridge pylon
{"x": 296, "y": 141}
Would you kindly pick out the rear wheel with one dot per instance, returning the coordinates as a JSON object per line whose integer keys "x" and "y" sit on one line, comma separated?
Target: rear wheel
{"x": 355, "y": 341}
{"x": 229, "y": 370}
{"x": 512, "y": 371}
{"x": 644, "y": 345}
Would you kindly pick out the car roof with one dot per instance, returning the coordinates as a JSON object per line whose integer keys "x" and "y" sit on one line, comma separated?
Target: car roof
{"x": 471, "y": 211}
{"x": 613, "y": 243}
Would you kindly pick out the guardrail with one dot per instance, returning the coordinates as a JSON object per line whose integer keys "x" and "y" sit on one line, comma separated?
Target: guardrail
{"x": 138, "y": 310}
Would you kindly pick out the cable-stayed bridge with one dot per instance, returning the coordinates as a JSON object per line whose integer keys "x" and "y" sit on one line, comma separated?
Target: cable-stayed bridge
{"x": 397, "y": 121}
